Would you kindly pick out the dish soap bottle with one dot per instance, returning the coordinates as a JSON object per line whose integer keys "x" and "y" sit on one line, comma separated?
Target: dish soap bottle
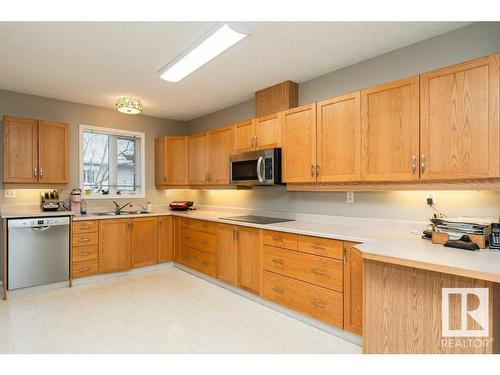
{"x": 83, "y": 207}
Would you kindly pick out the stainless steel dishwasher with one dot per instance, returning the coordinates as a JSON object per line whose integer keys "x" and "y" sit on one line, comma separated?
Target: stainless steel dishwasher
{"x": 38, "y": 251}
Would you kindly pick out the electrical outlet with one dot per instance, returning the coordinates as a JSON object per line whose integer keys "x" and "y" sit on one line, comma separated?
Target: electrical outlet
{"x": 350, "y": 197}
{"x": 431, "y": 198}
{"x": 9, "y": 194}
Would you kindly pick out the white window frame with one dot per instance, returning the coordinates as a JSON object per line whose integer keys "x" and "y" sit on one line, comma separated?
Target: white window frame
{"x": 141, "y": 156}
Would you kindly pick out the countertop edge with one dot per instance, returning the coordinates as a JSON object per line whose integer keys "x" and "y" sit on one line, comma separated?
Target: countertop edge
{"x": 481, "y": 275}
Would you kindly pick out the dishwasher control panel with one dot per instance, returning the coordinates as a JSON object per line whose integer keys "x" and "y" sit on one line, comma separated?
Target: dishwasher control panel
{"x": 38, "y": 222}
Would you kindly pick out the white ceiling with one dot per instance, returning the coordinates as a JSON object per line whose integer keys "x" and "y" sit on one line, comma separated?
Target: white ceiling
{"x": 93, "y": 63}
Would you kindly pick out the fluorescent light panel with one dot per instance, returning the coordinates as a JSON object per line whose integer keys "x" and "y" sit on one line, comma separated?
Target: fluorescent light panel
{"x": 216, "y": 43}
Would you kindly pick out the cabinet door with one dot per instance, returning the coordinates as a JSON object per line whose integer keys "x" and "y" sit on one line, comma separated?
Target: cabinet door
{"x": 353, "y": 289}
{"x": 165, "y": 239}
{"x": 20, "y": 148}
{"x": 160, "y": 161}
{"x": 176, "y": 160}
{"x": 198, "y": 159}
{"x": 268, "y": 131}
{"x": 227, "y": 254}
{"x": 459, "y": 131}
{"x": 244, "y": 136}
{"x": 177, "y": 239}
{"x": 221, "y": 146}
{"x": 298, "y": 140}
{"x": 53, "y": 152}
{"x": 114, "y": 245}
{"x": 249, "y": 259}
{"x": 339, "y": 139}
{"x": 390, "y": 131}
{"x": 143, "y": 242}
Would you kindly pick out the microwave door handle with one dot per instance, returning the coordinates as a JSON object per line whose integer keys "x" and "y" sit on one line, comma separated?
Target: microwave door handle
{"x": 259, "y": 169}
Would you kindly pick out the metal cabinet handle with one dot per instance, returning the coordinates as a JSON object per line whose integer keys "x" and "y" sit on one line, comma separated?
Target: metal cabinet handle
{"x": 83, "y": 254}
{"x": 277, "y": 239}
{"x": 278, "y": 290}
{"x": 84, "y": 269}
{"x": 317, "y": 170}
{"x": 35, "y": 172}
{"x": 204, "y": 242}
{"x": 41, "y": 172}
{"x": 279, "y": 261}
{"x": 256, "y": 142}
{"x": 414, "y": 164}
{"x": 317, "y": 247}
{"x": 205, "y": 263}
{"x": 318, "y": 304}
{"x": 84, "y": 239}
{"x": 234, "y": 233}
{"x": 253, "y": 142}
{"x": 317, "y": 271}
{"x": 422, "y": 165}
{"x": 312, "y": 170}
{"x": 85, "y": 226}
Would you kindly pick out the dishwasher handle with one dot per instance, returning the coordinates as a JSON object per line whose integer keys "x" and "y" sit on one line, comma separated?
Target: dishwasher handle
{"x": 41, "y": 229}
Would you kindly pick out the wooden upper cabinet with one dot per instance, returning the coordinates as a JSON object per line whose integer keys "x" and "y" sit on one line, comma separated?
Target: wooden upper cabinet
{"x": 353, "y": 289}
{"x": 20, "y": 150}
{"x": 339, "y": 139}
{"x": 221, "y": 147}
{"x": 198, "y": 159}
{"x": 459, "y": 114}
{"x": 143, "y": 242}
{"x": 390, "y": 131}
{"x": 171, "y": 161}
{"x": 227, "y": 254}
{"x": 268, "y": 131}
{"x": 244, "y": 136}
{"x": 53, "y": 152}
{"x": 114, "y": 245}
{"x": 249, "y": 259}
{"x": 165, "y": 239}
{"x": 298, "y": 140}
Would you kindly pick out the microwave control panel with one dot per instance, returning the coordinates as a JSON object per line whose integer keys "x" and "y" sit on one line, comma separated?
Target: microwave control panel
{"x": 268, "y": 169}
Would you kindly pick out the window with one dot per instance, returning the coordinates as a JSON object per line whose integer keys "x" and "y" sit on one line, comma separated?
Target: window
{"x": 111, "y": 163}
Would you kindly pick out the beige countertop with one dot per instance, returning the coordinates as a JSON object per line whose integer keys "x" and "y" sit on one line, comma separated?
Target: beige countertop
{"x": 387, "y": 241}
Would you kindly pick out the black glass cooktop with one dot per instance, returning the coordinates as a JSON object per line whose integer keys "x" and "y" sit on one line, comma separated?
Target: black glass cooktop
{"x": 256, "y": 219}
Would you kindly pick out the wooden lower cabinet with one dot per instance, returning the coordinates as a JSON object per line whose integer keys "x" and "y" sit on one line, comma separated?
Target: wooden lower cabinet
{"x": 114, "y": 245}
{"x": 143, "y": 242}
{"x": 249, "y": 259}
{"x": 353, "y": 289}
{"x": 313, "y": 269}
{"x": 317, "y": 302}
{"x": 165, "y": 239}
{"x": 85, "y": 268}
{"x": 227, "y": 255}
{"x": 199, "y": 260}
{"x": 84, "y": 249}
{"x": 177, "y": 238}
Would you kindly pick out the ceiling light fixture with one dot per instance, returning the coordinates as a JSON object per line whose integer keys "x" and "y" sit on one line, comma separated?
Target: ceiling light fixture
{"x": 217, "y": 40}
{"x": 129, "y": 106}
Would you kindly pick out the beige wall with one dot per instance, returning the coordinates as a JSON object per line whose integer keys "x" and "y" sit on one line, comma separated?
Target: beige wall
{"x": 37, "y": 107}
{"x": 473, "y": 41}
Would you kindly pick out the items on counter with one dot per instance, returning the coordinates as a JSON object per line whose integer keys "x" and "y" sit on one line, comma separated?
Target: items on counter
{"x": 461, "y": 232}
{"x": 181, "y": 205}
{"x": 495, "y": 236}
{"x": 75, "y": 200}
{"x": 49, "y": 200}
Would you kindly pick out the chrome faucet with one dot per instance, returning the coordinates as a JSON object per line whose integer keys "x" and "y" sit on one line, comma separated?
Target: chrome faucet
{"x": 118, "y": 208}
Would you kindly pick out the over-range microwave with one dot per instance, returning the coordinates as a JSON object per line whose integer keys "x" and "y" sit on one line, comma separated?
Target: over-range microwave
{"x": 262, "y": 167}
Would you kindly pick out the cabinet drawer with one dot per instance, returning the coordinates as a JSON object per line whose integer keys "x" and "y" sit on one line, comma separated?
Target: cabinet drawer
{"x": 85, "y": 239}
{"x": 317, "y": 302}
{"x": 201, "y": 225}
{"x": 199, "y": 240}
{"x": 198, "y": 260}
{"x": 85, "y": 268}
{"x": 81, "y": 253}
{"x": 85, "y": 226}
{"x": 313, "y": 269}
{"x": 321, "y": 246}
{"x": 280, "y": 239}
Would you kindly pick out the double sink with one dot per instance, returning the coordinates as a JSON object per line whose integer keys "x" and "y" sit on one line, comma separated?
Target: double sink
{"x": 121, "y": 213}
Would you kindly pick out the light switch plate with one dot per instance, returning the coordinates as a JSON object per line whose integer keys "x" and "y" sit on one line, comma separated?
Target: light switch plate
{"x": 350, "y": 197}
{"x": 9, "y": 193}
